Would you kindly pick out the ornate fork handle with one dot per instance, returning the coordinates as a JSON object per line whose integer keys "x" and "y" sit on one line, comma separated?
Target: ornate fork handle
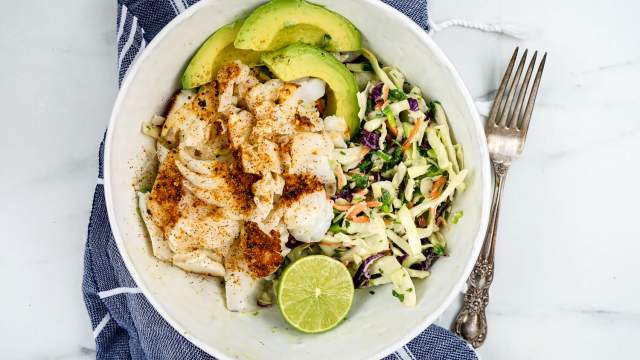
{"x": 471, "y": 322}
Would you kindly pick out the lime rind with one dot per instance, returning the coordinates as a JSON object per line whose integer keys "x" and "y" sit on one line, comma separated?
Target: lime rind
{"x": 315, "y": 293}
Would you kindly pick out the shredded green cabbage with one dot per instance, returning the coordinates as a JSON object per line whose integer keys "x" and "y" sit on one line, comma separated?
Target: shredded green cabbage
{"x": 395, "y": 75}
{"x": 438, "y": 147}
{"x": 444, "y": 133}
{"x": 449, "y": 189}
{"x": 406, "y": 219}
{"x": 377, "y": 69}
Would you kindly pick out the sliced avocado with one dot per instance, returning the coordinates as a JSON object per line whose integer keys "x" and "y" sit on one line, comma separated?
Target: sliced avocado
{"x": 281, "y": 22}
{"x": 300, "y": 60}
{"x": 216, "y": 51}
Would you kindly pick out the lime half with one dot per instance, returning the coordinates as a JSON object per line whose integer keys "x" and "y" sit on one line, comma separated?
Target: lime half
{"x": 315, "y": 293}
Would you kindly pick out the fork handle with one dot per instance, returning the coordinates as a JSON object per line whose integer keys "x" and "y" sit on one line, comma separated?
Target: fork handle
{"x": 471, "y": 322}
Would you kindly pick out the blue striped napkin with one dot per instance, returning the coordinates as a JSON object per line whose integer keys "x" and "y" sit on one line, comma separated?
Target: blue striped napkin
{"x": 124, "y": 324}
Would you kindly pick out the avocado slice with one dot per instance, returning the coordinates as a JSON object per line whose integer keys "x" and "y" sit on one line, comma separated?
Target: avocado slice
{"x": 281, "y": 22}
{"x": 216, "y": 51}
{"x": 301, "y": 60}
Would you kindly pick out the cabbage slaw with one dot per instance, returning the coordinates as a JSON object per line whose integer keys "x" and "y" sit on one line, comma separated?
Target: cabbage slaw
{"x": 397, "y": 180}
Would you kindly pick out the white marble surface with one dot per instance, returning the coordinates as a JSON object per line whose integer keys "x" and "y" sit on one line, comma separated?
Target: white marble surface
{"x": 567, "y": 280}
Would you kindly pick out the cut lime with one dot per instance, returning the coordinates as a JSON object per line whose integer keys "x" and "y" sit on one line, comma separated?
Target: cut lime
{"x": 315, "y": 293}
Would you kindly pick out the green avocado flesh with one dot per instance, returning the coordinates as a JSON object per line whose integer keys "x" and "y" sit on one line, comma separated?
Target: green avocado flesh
{"x": 282, "y": 22}
{"x": 300, "y": 60}
{"x": 216, "y": 51}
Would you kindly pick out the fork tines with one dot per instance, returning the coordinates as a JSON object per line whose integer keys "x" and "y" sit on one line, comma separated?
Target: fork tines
{"x": 507, "y": 113}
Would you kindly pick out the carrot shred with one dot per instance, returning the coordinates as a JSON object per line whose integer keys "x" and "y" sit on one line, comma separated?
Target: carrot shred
{"x": 362, "y": 192}
{"x": 356, "y": 209}
{"x": 393, "y": 129}
{"x": 337, "y": 171}
{"x": 341, "y": 207}
{"x": 330, "y": 244}
{"x": 438, "y": 185}
{"x": 373, "y": 204}
{"x": 360, "y": 219}
{"x": 365, "y": 151}
{"x": 412, "y": 134}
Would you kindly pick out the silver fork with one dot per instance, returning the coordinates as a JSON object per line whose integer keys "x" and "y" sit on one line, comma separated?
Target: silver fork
{"x": 506, "y": 133}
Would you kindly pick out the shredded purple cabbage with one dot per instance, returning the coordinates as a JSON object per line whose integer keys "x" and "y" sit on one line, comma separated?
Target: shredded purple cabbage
{"x": 425, "y": 144}
{"x": 376, "y": 176}
{"x": 413, "y": 104}
{"x": 440, "y": 209}
{"x": 376, "y": 91}
{"x": 346, "y": 193}
{"x": 292, "y": 242}
{"x": 370, "y": 139}
{"x": 362, "y": 276}
{"x": 424, "y": 265}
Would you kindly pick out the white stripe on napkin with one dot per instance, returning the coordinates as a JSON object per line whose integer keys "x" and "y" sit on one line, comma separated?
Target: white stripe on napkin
{"x": 409, "y": 352}
{"x": 123, "y": 19}
{"x": 179, "y": 5}
{"x": 127, "y": 45}
{"x": 101, "y": 325}
{"x": 173, "y": 6}
{"x": 100, "y": 181}
{"x": 143, "y": 45}
{"x": 402, "y": 354}
{"x": 118, "y": 291}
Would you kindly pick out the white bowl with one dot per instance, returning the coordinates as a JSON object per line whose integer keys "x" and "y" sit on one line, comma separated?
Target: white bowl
{"x": 194, "y": 305}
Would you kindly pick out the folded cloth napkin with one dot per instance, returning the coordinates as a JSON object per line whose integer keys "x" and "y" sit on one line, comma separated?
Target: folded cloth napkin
{"x": 124, "y": 324}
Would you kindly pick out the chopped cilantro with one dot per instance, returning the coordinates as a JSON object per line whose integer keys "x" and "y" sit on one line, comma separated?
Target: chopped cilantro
{"x": 365, "y": 164}
{"x": 434, "y": 171}
{"x": 337, "y": 253}
{"x": 335, "y": 228}
{"x": 342, "y": 152}
{"x": 360, "y": 181}
{"x": 396, "y": 157}
{"x": 423, "y": 152}
{"x": 446, "y": 213}
{"x": 397, "y": 95}
{"x": 432, "y": 108}
{"x": 390, "y": 117}
{"x": 370, "y": 105}
{"x": 409, "y": 289}
{"x": 439, "y": 250}
{"x": 432, "y": 154}
{"x": 383, "y": 155}
{"x": 398, "y": 295}
{"x": 386, "y": 201}
{"x": 145, "y": 189}
{"x": 457, "y": 216}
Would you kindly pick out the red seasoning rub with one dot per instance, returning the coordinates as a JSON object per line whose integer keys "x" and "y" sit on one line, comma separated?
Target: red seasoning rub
{"x": 296, "y": 186}
{"x": 262, "y": 252}
{"x": 286, "y": 91}
{"x": 228, "y": 73}
{"x": 166, "y": 194}
{"x": 205, "y": 104}
{"x": 237, "y": 184}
